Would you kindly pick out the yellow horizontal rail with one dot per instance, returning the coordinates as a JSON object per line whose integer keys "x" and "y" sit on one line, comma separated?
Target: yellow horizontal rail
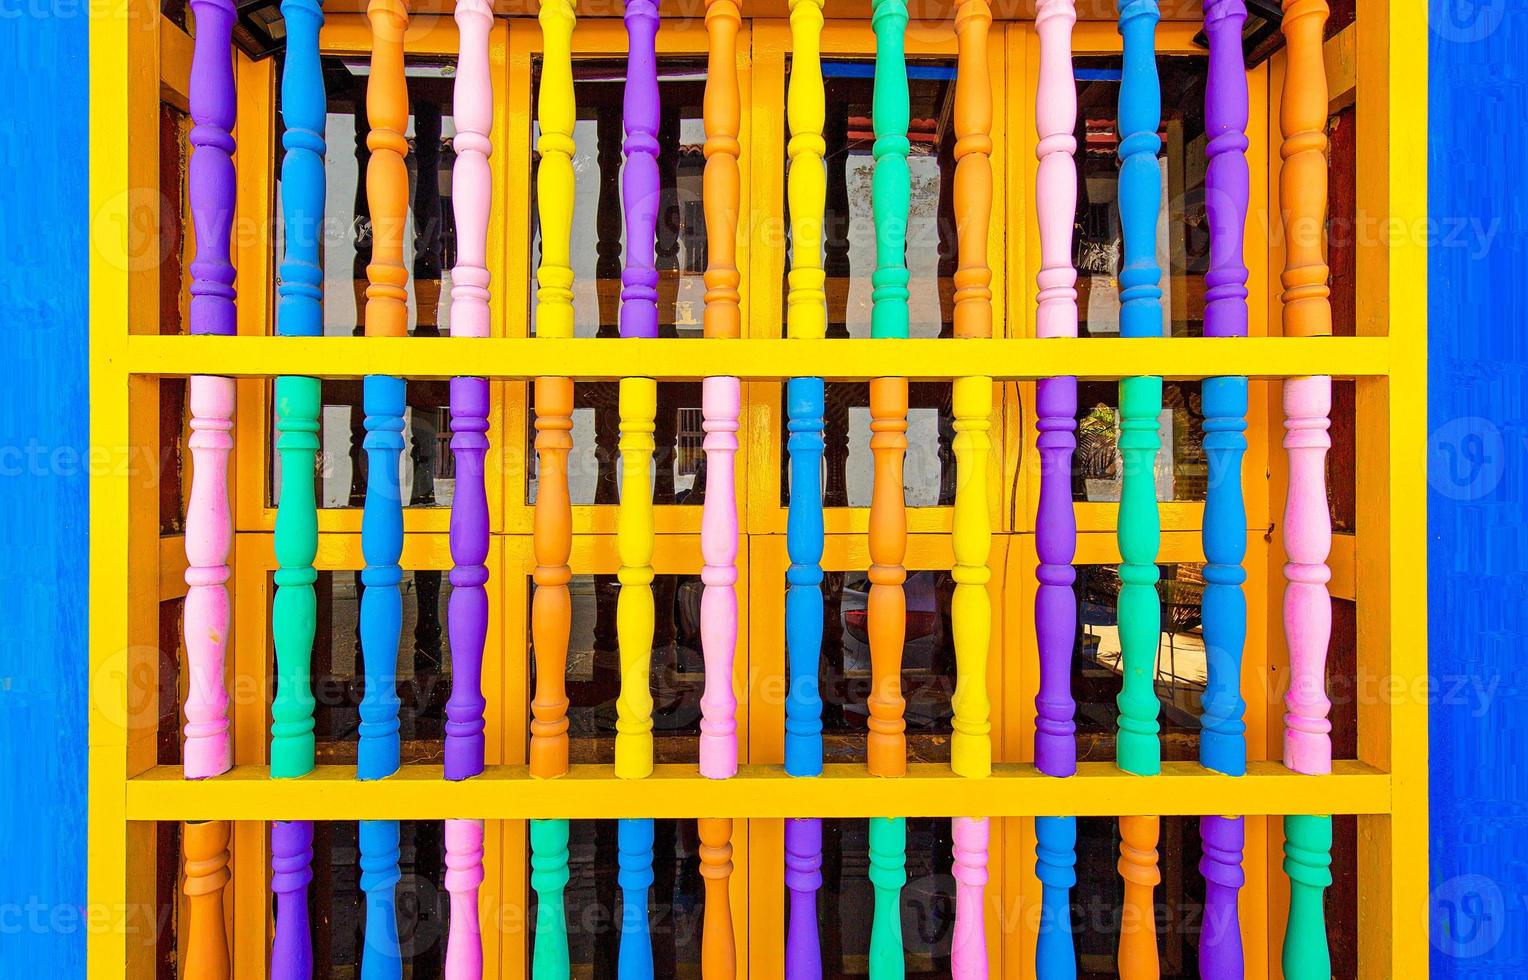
{"x": 678, "y": 791}
{"x": 670, "y": 359}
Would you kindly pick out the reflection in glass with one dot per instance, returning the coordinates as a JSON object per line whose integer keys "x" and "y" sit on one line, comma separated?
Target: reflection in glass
{"x": 928, "y": 665}
{"x": 423, "y": 665}
{"x": 594, "y": 669}
{"x": 1182, "y": 470}
{"x": 846, "y": 902}
{"x": 1180, "y": 672}
{"x": 674, "y": 904}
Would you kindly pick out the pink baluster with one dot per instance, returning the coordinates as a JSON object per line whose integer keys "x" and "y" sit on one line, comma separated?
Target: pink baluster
{"x": 464, "y": 873}
{"x": 968, "y": 948}
{"x": 721, "y": 402}
{"x": 209, "y": 534}
{"x": 1307, "y": 605}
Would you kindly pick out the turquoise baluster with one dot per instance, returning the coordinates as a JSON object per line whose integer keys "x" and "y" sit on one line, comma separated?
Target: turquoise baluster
{"x": 549, "y": 878}
{"x": 888, "y": 874}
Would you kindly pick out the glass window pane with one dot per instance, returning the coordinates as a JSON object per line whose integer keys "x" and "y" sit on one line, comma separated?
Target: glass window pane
{"x": 1182, "y": 470}
{"x": 1183, "y": 243}
{"x": 1180, "y": 670}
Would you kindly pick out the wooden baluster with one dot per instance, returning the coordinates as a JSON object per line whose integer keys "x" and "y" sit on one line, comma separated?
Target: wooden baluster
{"x": 1056, "y": 398}
{"x": 1222, "y": 743}
{"x": 209, "y": 527}
{"x": 1138, "y": 922}
{"x": 380, "y": 959}
{"x": 1307, "y": 521}
{"x": 886, "y": 744}
{"x": 806, "y": 311}
{"x": 970, "y": 607}
{"x": 640, "y": 185}
{"x": 205, "y": 846}
{"x": 635, "y": 856}
{"x": 291, "y": 873}
{"x": 471, "y": 195}
{"x": 384, "y": 398}
{"x": 721, "y": 397}
{"x": 973, "y": 170}
{"x": 1140, "y": 195}
{"x": 803, "y": 879}
{"x": 718, "y": 952}
{"x": 888, "y": 874}
{"x": 721, "y": 402}
{"x": 1056, "y": 868}
{"x": 1307, "y": 401}
{"x": 549, "y": 878}
{"x": 634, "y": 607}
{"x": 299, "y": 313}
{"x": 1220, "y": 944}
{"x": 968, "y": 947}
{"x": 464, "y": 874}
{"x": 551, "y": 605}
{"x": 1308, "y": 863}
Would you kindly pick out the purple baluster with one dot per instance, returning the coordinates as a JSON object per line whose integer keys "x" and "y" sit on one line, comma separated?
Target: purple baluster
{"x": 1220, "y": 944}
{"x": 640, "y": 191}
{"x": 803, "y": 877}
{"x": 291, "y": 871}
{"x": 1055, "y": 602}
{"x": 467, "y": 616}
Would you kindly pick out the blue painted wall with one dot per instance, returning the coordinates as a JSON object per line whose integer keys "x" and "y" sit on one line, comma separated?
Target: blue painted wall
{"x": 1478, "y": 603}
{"x": 43, "y": 435}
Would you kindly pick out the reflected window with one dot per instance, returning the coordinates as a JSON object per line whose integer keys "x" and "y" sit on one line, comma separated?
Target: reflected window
{"x": 423, "y": 665}
{"x": 846, "y": 903}
{"x": 1183, "y": 240}
{"x": 1181, "y": 669}
{"x": 1182, "y": 469}
{"x": 675, "y": 901}
{"x": 928, "y": 665}
{"x": 593, "y": 678}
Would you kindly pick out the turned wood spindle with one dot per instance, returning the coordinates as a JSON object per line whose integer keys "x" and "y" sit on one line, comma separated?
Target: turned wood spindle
{"x": 1138, "y": 920}
{"x": 299, "y": 313}
{"x": 205, "y": 846}
{"x": 1308, "y": 864}
{"x": 291, "y": 873}
{"x": 968, "y": 947}
{"x": 803, "y": 597}
{"x": 720, "y": 404}
{"x": 1055, "y": 398}
{"x": 380, "y": 957}
{"x": 1307, "y": 401}
{"x": 640, "y": 184}
{"x": 634, "y": 606}
{"x": 471, "y": 197}
{"x": 721, "y": 181}
{"x": 970, "y": 606}
{"x": 718, "y": 952}
{"x": 888, "y": 875}
{"x": 1220, "y": 944}
{"x": 803, "y": 879}
{"x": 464, "y": 875}
{"x": 1140, "y": 195}
{"x": 1222, "y": 742}
{"x": 549, "y": 879}
{"x": 635, "y": 856}
{"x": 211, "y": 191}
{"x": 973, "y": 170}
{"x": 886, "y": 743}
{"x": 1056, "y": 869}
{"x": 551, "y": 605}
{"x": 381, "y": 617}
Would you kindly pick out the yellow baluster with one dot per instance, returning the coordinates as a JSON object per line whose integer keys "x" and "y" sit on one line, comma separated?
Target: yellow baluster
{"x": 806, "y": 314}
{"x": 634, "y": 609}
{"x": 970, "y": 608}
{"x": 554, "y": 176}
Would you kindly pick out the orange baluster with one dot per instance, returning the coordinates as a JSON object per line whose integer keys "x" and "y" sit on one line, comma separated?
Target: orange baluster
{"x": 718, "y": 953}
{"x": 551, "y": 606}
{"x": 205, "y": 847}
{"x": 886, "y": 746}
{"x": 1138, "y": 919}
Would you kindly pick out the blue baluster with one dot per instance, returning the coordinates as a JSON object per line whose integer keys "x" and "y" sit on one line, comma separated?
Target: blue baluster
{"x": 1056, "y": 867}
{"x": 803, "y": 599}
{"x": 382, "y": 600}
{"x": 634, "y": 843}
{"x": 380, "y": 958}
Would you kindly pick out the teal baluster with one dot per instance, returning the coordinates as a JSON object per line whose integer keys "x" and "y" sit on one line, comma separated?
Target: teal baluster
{"x": 1308, "y": 863}
{"x": 888, "y": 873}
{"x": 549, "y": 878}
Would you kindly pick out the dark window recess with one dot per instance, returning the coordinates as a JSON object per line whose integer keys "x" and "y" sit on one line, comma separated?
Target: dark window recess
{"x": 675, "y": 906}
{"x": 1098, "y": 899}
{"x": 1180, "y": 669}
{"x": 171, "y": 612}
{"x": 593, "y": 477}
{"x": 848, "y": 249}
{"x": 1183, "y": 243}
{"x": 167, "y": 865}
{"x": 598, "y": 233}
{"x": 423, "y": 665}
{"x": 337, "y": 906}
{"x": 928, "y": 470}
{"x": 1182, "y": 470}
{"x": 846, "y": 902}
{"x": 593, "y": 675}
{"x": 928, "y": 665}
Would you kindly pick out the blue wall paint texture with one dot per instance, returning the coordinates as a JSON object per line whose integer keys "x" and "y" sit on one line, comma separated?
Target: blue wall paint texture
{"x": 1477, "y": 529}
{"x": 43, "y": 487}
{"x": 1478, "y": 533}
